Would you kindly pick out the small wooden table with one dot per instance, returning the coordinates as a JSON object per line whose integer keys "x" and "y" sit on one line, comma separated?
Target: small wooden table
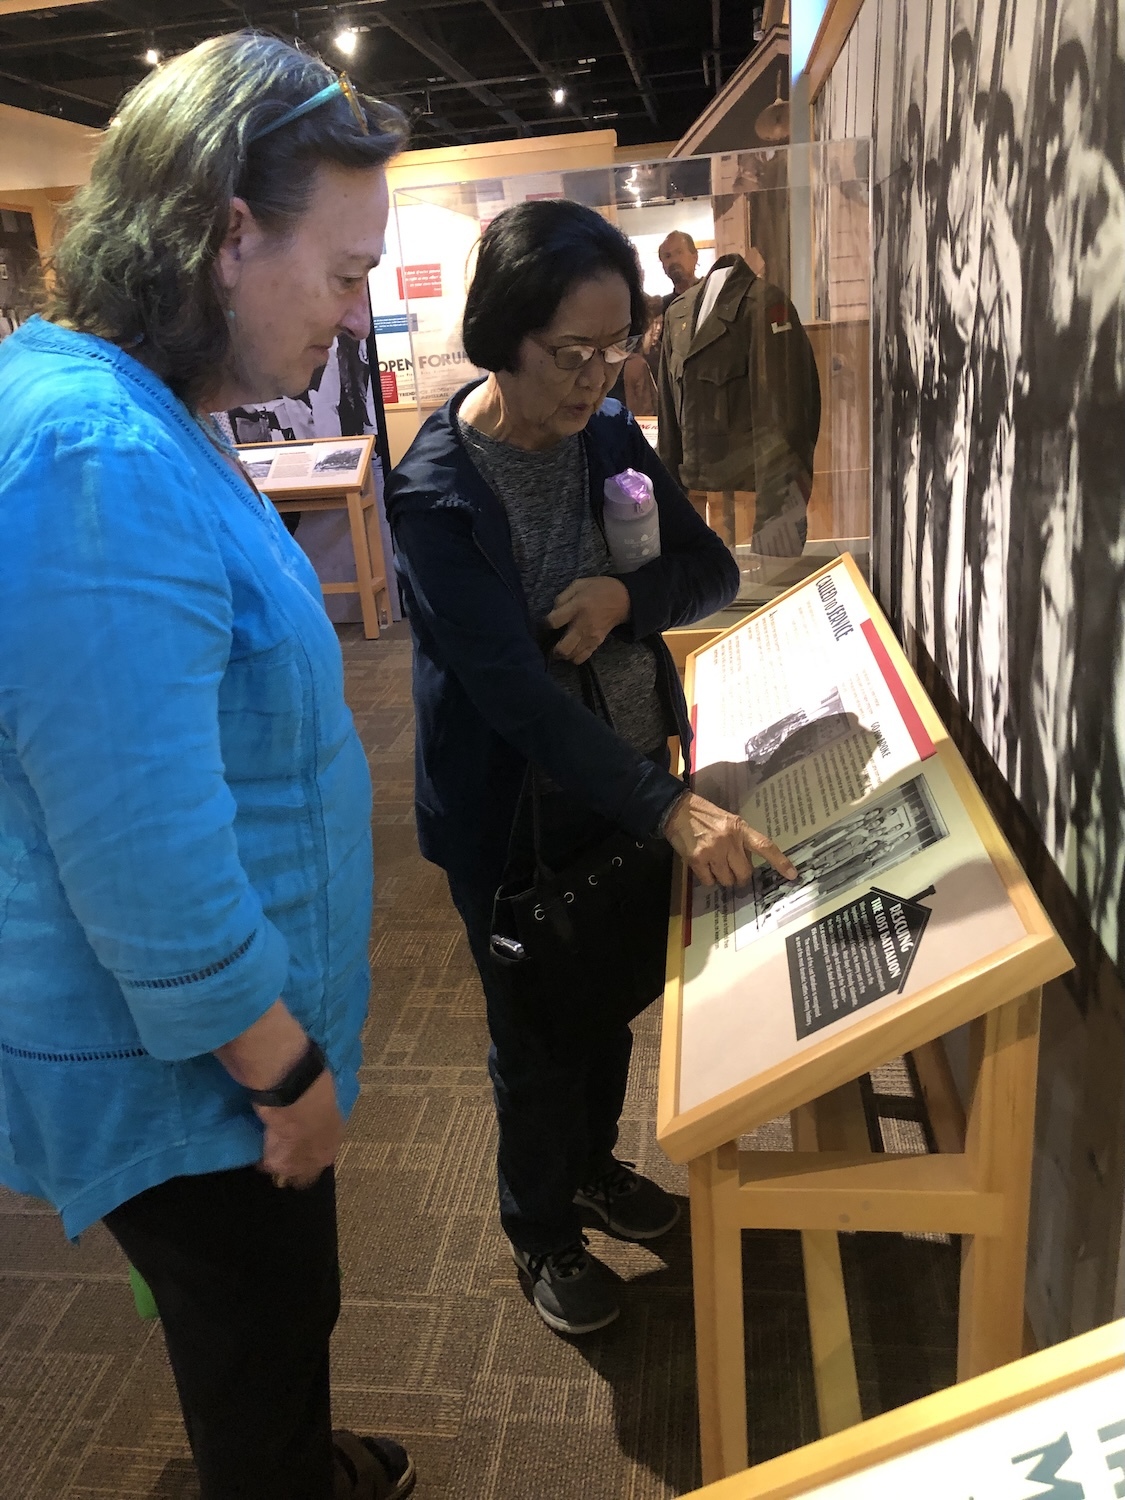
{"x": 320, "y": 474}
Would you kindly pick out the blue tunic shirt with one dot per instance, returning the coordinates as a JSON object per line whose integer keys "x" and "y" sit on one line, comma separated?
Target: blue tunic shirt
{"x": 184, "y": 801}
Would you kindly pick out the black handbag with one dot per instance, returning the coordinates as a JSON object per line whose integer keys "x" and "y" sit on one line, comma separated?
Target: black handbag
{"x": 589, "y": 939}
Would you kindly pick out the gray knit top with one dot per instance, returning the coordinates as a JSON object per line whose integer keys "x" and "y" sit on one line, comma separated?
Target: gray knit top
{"x": 555, "y": 539}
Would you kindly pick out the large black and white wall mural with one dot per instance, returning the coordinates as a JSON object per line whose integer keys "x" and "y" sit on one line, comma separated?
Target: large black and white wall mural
{"x": 340, "y": 403}
{"x": 998, "y": 339}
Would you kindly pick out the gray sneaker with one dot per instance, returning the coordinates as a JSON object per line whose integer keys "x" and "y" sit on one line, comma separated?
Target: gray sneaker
{"x": 571, "y": 1290}
{"x": 628, "y": 1204}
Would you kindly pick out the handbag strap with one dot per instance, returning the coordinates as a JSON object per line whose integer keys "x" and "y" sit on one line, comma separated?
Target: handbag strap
{"x": 593, "y": 698}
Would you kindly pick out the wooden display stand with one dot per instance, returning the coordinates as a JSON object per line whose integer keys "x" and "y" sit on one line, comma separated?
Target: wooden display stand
{"x": 1063, "y": 1408}
{"x": 352, "y": 490}
{"x": 832, "y": 1180}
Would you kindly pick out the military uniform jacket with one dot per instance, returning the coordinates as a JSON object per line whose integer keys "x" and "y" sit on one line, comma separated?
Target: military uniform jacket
{"x": 739, "y": 395}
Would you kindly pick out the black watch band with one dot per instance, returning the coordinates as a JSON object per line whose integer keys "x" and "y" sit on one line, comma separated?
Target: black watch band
{"x": 300, "y": 1077}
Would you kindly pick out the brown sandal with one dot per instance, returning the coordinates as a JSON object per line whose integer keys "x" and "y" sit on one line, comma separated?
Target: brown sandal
{"x": 371, "y": 1468}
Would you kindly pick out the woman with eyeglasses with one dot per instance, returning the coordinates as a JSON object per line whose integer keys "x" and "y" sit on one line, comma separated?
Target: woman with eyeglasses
{"x": 185, "y": 856}
{"x": 509, "y": 586}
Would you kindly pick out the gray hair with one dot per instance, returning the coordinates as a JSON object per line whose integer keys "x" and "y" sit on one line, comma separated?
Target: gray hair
{"x": 135, "y": 265}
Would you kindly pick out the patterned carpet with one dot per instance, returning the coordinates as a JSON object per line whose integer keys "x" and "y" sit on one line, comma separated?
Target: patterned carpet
{"x": 436, "y": 1343}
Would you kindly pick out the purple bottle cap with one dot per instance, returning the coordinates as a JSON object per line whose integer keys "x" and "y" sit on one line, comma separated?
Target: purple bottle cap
{"x": 633, "y": 486}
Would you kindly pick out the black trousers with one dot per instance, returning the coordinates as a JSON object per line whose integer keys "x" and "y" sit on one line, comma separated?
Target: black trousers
{"x": 559, "y": 1086}
{"x": 246, "y": 1279}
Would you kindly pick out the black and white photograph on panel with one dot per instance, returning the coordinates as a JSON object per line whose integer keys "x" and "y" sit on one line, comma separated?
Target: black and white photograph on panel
{"x": 339, "y": 403}
{"x": 862, "y": 846}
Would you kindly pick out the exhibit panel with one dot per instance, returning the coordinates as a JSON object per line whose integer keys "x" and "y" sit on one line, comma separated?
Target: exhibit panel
{"x": 811, "y": 726}
{"x": 1056, "y": 1418}
{"x": 762, "y": 413}
{"x": 909, "y": 916}
{"x": 998, "y": 464}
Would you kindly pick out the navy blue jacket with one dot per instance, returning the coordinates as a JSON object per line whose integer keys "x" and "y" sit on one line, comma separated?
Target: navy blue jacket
{"x": 484, "y": 700}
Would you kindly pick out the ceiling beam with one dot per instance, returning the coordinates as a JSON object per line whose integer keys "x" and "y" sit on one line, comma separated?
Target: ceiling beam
{"x": 44, "y": 41}
{"x": 624, "y": 35}
{"x": 417, "y": 39}
{"x": 437, "y": 123}
{"x": 529, "y": 52}
{"x": 22, "y": 7}
{"x": 37, "y": 85}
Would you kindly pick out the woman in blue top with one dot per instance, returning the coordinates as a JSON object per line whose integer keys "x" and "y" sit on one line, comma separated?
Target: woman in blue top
{"x": 185, "y": 863}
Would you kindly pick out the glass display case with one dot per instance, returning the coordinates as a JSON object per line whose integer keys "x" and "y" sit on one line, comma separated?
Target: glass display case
{"x": 764, "y": 380}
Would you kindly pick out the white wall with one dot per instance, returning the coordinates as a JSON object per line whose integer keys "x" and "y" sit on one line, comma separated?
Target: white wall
{"x": 648, "y": 225}
{"x": 38, "y": 151}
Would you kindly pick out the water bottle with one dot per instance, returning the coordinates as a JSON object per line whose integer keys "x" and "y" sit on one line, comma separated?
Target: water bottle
{"x": 631, "y": 519}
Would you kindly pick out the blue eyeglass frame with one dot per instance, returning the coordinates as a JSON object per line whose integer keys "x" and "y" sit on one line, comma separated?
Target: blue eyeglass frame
{"x": 342, "y": 86}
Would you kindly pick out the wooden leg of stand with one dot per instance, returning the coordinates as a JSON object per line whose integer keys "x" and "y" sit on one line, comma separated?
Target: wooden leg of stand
{"x": 378, "y": 565}
{"x": 363, "y": 580}
{"x": 830, "y": 1332}
{"x": 834, "y": 1123}
{"x": 720, "y": 1349}
{"x": 999, "y": 1139}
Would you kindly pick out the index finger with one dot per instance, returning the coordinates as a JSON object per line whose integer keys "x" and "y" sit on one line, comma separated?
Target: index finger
{"x": 769, "y": 851}
{"x": 563, "y": 613}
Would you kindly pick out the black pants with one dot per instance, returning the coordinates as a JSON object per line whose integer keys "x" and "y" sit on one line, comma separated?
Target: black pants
{"x": 246, "y": 1279}
{"x": 559, "y": 1088}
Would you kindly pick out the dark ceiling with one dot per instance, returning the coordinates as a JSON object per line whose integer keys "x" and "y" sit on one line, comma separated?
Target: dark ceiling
{"x": 465, "y": 70}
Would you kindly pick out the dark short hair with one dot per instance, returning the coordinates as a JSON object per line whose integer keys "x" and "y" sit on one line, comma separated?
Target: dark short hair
{"x": 1004, "y": 123}
{"x": 135, "y": 265}
{"x": 530, "y": 257}
{"x": 914, "y": 124}
{"x": 1070, "y": 60}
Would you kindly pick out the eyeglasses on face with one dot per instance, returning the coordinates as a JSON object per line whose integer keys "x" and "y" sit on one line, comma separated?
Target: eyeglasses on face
{"x": 574, "y": 356}
{"x": 343, "y": 85}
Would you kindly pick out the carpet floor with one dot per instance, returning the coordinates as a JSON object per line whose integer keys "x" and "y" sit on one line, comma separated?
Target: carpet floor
{"x": 436, "y": 1342}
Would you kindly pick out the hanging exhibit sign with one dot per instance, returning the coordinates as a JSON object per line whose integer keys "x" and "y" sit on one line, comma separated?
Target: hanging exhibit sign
{"x": 805, "y": 727}
{"x": 436, "y": 249}
{"x": 393, "y": 324}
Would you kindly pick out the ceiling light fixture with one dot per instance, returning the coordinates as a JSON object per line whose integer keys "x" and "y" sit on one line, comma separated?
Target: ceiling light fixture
{"x": 559, "y": 96}
{"x": 345, "y": 40}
